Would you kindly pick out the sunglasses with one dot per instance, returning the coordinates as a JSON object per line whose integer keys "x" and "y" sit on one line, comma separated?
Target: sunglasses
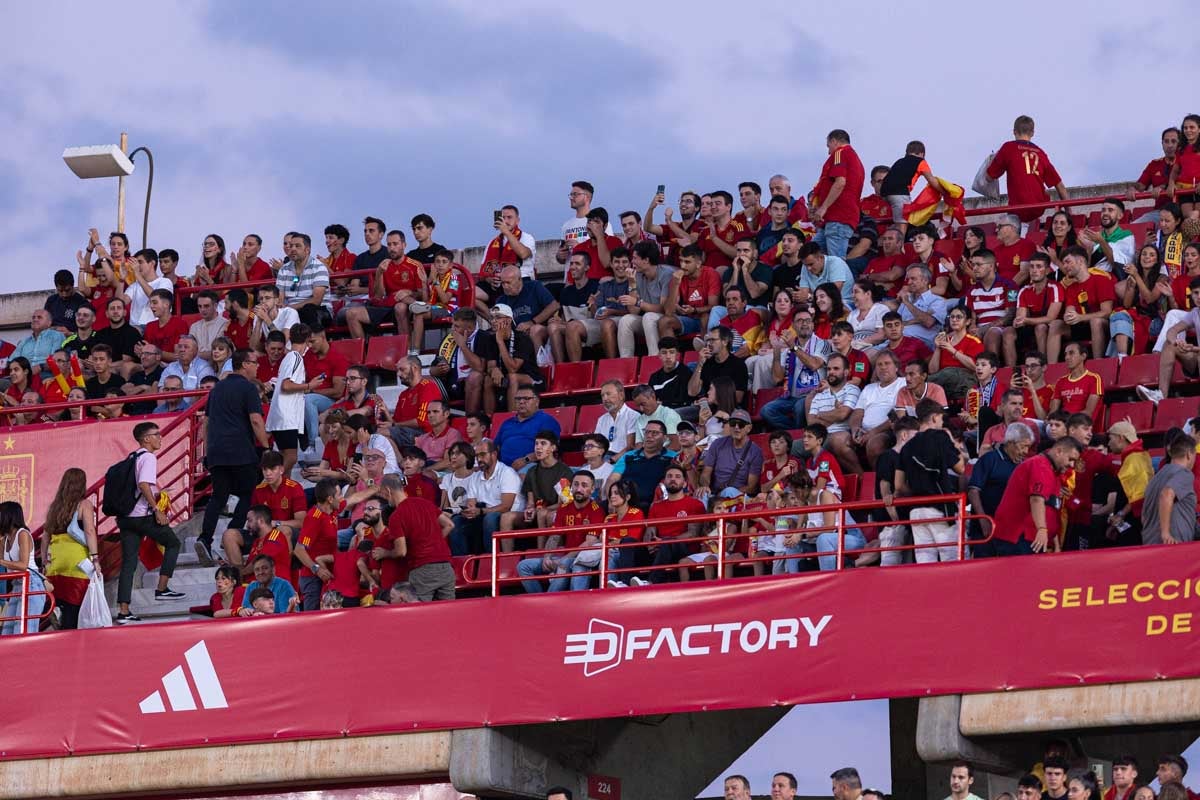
{"x": 739, "y": 423}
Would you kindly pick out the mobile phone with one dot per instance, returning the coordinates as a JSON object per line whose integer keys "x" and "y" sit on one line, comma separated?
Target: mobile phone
{"x": 1018, "y": 371}
{"x": 662, "y": 189}
{"x": 496, "y": 215}
{"x": 356, "y": 458}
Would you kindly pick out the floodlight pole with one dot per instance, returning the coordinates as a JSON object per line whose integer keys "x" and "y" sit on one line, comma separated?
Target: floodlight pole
{"x": 121, "y": 189}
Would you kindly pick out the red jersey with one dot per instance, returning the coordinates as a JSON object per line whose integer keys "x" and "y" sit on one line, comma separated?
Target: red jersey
{"x": 284, "y": 502}
{"x": 882, "y": 264}
{"x": 318, "y": 535}
{"x": 423, "y": 486}
{"x": 679, "y": 509}
{"x": 876, "y": 208}
{"x": 1074, "y": 394}
{"x": 697, "y": 291}
{"x": 1155, "y": 175}
{"x": 842, "y": 163}
{"x": 1087, "y": 296}
{"x": 238, "y": 333}
{"x": 1079, "y": 507}
{"x": 1035, "y": 476}
{"x": 239, "y": 595}
{"x": 100, "y": 297}
{"x": 860, "y": 366}
{"x": 824, "y": 465}
{"x": 615, "y": 535}
{"x": 1029, "y": 173}
{"x": 992, "y": 305}
{"x": 1189, "y": 168}
{"x": 343, "y": 263}
{"x": 771, "y": 470}
{"x": 670, "y": 244}
{"x": 400, "y": 275}
{"x": 764, "y": 219}
{"x": 416, "y": 521}
{"x": 268, "y": 370}
{"x": 276, "y": 547}
{"x": 713, "y": 255}
{"x": 570, "y": 515}
{"x": 969, "y": 346}
{"x": 260, "y": 271}
{"x": 332, "y": 365}
{"x": 1037, "y": 302}
{"x": 413, "y": 403}
{"x": 596, "y": 269}
{"x": 910, "y": 349}
{"x": 1045, "y": 395}
{"x": 164, "y": 337}
{"x": 1181, "y": 292}
{"x": 346, "y": 577}
{"x": 334, "y": 456}
{"x": 1010, "y": 256}
{"x": 452, "y": 286}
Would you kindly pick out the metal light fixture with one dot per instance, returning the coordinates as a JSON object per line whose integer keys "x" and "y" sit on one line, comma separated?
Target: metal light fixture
{"x": 111, "y": 161}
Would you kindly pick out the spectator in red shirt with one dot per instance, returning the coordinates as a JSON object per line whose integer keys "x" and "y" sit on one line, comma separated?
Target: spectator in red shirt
{"x": 906, "y": 349}
{"x": 1081, "y": 533}
{"x": 1027, "y": 519}
{"x": 752, "y": 216}
{"x": 1080, "y": 391}
{"x": 631, "y": 226}
{"x": 837, "y": 195}
{"x": 678, "y": 504}
{"x": 248, "y": 264}
{"x": 284, "y": 500}
{"x": 417, "y": 531}
{"x": 1185, "y": 172}
{"x": 722, "y": 232}
{"x": 1088, "y": 296}
{"x": 212, "y": 269}
{"x": 1039, "y": 304}
{"x": 874, "y": 205}
{"x": 887, "y": 268}
{"x": 230, "y": 593}
{"x": 276, "y": 349}
{"x": 695, "y": 290}
{"x": 1035, "y": 393}
{"x": 411, "y": 417}
{"x": 321, "y": 361}
{"x": 265, "y": 539}
{"x": 1029, "y": 170}
{"x": 237, "y": 306}
{"x": 953, "y": 363}
{"x": 689, "y": 222}
{"x": 318, "y": 537}
{"x": 339, "y": 259}
{"x": 599, "y": 245}
{"x": 164, "y": 330}
{"x": 399, "y": 282}
{"x": 1012, "y": 252}
{"x": 1156, "y": 174}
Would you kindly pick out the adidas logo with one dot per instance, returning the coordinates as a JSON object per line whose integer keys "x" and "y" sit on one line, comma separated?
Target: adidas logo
{"x": 179, "y": 693}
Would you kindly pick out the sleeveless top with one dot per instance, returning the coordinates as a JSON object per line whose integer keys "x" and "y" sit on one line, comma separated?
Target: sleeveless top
{"x": 75, "y": 530}
{"x": 13, "y": 552}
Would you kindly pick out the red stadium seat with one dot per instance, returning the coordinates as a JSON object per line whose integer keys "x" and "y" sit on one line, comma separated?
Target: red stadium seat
{"x": 1106, "y": 368}
{"x": 569, "y": 378}
{"x": 649, "y": 366}
{"x": 350, "y": 349}
{"x": 565, "y": 416}
{"x": 762, "y": 397}
{"x": 866, "y": 488}
{"x": 459, "y": 424}
{"x": 849, "y": 487}
{"x": 385, "y": 352}
{"x": 1054, "y": 372}
{"x": 622, "y": 369}
{"x": 950, "y": 248}
{"x": 1004, "y": 376}
{"x": 573, "y": 458}
{"x": 760, "y": 439}
{"x": 498, "y": 419}
{"x": 691, "y": 357}
{"x": 1174, "y": 412}
{"x": 1141, "y": 414}
{"x": 1135, "y": 370}
{"x": 586, "y": 423}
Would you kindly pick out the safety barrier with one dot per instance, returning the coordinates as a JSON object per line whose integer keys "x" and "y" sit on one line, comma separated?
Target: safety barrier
{"x": 23, "y": 594}
{"x": 1052, "y": 205}
{"x": 44, "y": 408}
{"x": 723, "y": 537}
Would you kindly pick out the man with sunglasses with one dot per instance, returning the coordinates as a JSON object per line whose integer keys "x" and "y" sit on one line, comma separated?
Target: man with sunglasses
{"x": 732, "y": 463}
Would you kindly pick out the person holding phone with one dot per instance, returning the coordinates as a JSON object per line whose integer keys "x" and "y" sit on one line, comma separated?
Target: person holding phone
{"x": 511, "y": 245}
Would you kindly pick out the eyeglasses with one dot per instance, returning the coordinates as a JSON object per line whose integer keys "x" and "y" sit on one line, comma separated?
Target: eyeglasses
{"x": 588, "y": 445}
{"x": 373, "y": 458}
{"x": 739, "y": 423}
{"x": 523, "y": 399}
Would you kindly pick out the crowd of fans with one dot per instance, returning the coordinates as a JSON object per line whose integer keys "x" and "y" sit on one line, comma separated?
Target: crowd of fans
{"x": 872, "y": 328}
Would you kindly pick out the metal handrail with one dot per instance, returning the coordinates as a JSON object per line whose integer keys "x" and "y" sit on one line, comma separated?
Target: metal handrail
{"x": 24, "y": 593}
{"x": 984, "y": 211}
{"x": 104, "y": 401}
{"x": 960, "y": 518}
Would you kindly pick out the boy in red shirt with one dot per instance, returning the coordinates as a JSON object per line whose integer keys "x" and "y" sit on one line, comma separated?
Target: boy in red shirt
{"x": 164, "y": 330}
{"x": 1029, "y": 171}
{"x": 318, "y": 537}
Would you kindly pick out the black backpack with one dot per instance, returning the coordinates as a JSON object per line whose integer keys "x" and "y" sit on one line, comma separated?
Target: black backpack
{"x": 120, "y": 487}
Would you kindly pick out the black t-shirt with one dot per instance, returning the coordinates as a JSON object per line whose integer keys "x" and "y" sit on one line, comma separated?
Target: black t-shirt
{"x": 785, "y": 276}
{"x": 83, "y": 347}
{"x": 97, "y": 390}
{"x": 927, "y": 460}
{"x": 900, "y": 177}
{"x": 671, "y": 387}
{"x": 368, "y": 260}
{"x": 572, "y": 296}
{"x": 230, "y": 436}
{"x": 122, "y": 340}
{"x": 523, "y": 349}
{"x": 425, "y": 255}
{"x": 733, "y": 367}
{"x": 62, "y": 312}
{"x": 886, "y": 467}
{"x": 144, "y": 379}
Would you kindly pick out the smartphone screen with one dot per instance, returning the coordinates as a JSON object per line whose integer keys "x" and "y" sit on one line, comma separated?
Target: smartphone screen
{"x": 662, "y": 189}
{"x": 495, "y": 216}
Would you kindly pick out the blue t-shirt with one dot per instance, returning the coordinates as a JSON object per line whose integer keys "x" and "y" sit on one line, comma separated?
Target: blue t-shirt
{"x": 515, "y": 437}
{"x": 526, "y": 305}
{"x": 282, "y": 590}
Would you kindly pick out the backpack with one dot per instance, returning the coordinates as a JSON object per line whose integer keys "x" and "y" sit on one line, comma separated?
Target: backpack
{"x": 120, "y": 487}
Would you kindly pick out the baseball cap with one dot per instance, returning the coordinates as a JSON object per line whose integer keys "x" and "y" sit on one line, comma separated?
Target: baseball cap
{"x": 684, "y": 425}
{"x": 502, "y": 310}
{"x": 740, "y": 414}
{"x": 1124, "y": 429}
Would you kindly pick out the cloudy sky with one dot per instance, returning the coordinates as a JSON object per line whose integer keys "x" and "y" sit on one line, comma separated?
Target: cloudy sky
{"x": 273, "y": 116}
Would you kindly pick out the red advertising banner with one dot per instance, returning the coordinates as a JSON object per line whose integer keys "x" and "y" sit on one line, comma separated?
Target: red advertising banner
{"x": 582, "y": 655}
{"x": 33, "y": 457}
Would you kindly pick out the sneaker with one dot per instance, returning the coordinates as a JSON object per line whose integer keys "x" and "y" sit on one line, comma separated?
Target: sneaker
{"x": 121, "y": 619}
{"x": 168, "y": 594}
{"x": 636, "y": 581}
{"x": 204, "y": 554}
{"x": 1153, "y": 395}
{"x": 613, "y": 583}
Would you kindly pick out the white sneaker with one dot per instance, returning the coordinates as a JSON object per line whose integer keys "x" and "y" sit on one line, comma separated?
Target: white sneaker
{"x": 636, "y": 581}
{"x": 1153, "y": 395}
{"x": 613, "y": 583}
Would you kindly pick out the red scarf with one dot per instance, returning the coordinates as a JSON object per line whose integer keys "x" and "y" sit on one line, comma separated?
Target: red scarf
{"x": 499, "y": 250}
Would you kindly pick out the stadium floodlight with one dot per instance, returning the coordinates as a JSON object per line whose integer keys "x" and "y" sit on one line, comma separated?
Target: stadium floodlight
{"x": 111, "y": 161}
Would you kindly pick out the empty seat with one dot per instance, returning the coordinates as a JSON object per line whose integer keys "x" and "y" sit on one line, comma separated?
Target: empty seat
{"x": 1135, "y": 370}
{"x": 586, "y": 423}
{"x": 1175, "y": 412}
{"x": 385, "y": 352}
{"x": 569, "y": 377}
{"x": 622, "y": 369}
{"x": 649, "y": 366}
{"x": 762, "y": 397}
{"x": 1054, "y": 372}
{"x": 1106, "y": 368}
{"x": 350, "y": 349}
{"x": 565, "y": 416}
{"x": 1141, "y": 414}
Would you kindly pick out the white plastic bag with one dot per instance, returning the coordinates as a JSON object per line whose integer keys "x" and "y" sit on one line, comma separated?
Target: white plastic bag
{"x": 94, "y": 613}
{"x": 984, "y": 184}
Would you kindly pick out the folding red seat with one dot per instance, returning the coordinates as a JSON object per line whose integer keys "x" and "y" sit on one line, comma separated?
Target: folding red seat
{"x": 1137, "y": 370}
{"x": 586, "y": 423}
{"x": 568, "y": 377}
{"x": 1054, "y": 372}
{"x": 1175, "y": 412}
{"x": 350, "y": 349}
{"x": 1107, "y": 369}
{"x": 565, "y": 416}
{"x": 1141, "y": 414}
{"x": 385, "y": 352}
{"x": 622, "y": 369}
{"x": 649, "y": 366}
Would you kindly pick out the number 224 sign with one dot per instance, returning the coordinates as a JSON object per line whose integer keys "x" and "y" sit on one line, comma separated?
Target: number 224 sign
{"x": 602, "y": 787}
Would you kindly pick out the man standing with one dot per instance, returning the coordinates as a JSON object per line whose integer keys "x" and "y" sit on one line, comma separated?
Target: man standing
{"x": 416, "y": 532}
{"x": 847, "y": 785}
{"x": 1028, "y": 518}
{"x": 145, "y": 520}
{"x": 511, "y": 246}
{"x": 1011, "y": 408}
{"x": 575, "y": 229}
{"x": 1169, "y": 511}
{"x": 1133, "y": 469}
{"x": 926, "y": 463}
{"x": 837, "y": 194}
{"x": 235, "y": 424}
{"x": 318, "y": 537}
{"x": 671, "y": 243}
{"x": 1154, "y": 179}
{"x": 1029, "y": 171}
{"x": 65, "y": 301}
{"x": 137, "y": 295}
{"x": 962, "y": 777}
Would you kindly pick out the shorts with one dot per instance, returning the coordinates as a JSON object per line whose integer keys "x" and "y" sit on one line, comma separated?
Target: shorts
{"x": 690, "y": 324}
{"x": 1186, "y": 197}
{"x": 376, "y": 314}
{"x": 1120, "y": 324}
{"x": 1027, "y": 338}
{"x": 593, "y": 328}
{"x": 289, "y": 440}
{"x": 439, "y": 312}
{"x": 897, "y": 202}
{"x": 1080, "y": 332}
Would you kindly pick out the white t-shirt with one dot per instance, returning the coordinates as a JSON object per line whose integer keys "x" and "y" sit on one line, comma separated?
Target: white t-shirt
{"x": 869, "y": 324}
{"x": 456, "y": 490}
{"x": 139, "y": 301}
{"x": 486, "y": 491}
{"x": 601, "y": 474}
{"x": 876, "y": 401}
{"x": 617, "y": 431}
{"x": 287, "y": 408}
{"x": 285, "y": 318}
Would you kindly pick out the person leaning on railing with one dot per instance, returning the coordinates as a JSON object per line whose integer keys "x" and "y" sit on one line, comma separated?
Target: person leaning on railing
{"x": 16, "y": 555}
